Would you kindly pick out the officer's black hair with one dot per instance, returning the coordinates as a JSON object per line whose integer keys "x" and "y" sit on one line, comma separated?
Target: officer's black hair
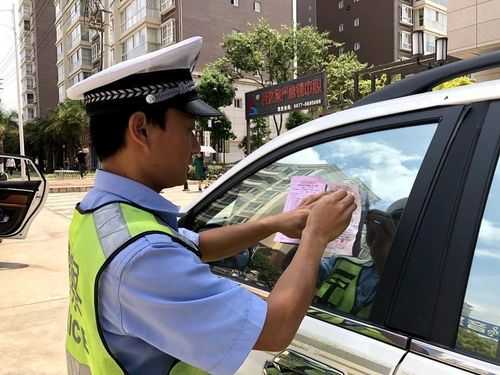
{"x": 108, "y": 126}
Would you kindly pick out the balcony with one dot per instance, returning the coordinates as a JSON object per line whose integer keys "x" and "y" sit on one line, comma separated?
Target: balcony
{"x": 134, "y": 52}
{"x": 140, "y": 16}
{"x": 166, "y": 6}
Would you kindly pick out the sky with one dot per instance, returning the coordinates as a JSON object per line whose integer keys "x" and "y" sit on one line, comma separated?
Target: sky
{"x": 8, "y": 95}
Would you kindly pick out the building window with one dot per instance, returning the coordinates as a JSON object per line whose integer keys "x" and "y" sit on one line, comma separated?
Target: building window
{"x": 405, "y": 40}
{"x": 62, "y": 94}
{"x": 357, "y": 46}
{"x": 136, "y": 11}
{"x": 419, "y": 17}
{"x": 257, "y": 6}
{"x": 235, "y": 3}
{"x": 341, "y": 27}
{"x": 429, "y": 44}
{"x": 166, "y": 4}
{"x": 96, "y": 48}
{"x": 29, "y": 69}
{"x": 341, "y": 50}
{"x": 341, "y": 4}
{"x": 406, "y": 15}
{"x": 60, "y": 73}
{"x": 135, "y": 45}
{"x": 29, "y": 84}
{"x": 168, "y": 32}
{"x": 60, "y": 51}
{"x": 356, "y": 22}
{"x": 26, "y": 25}
{"x": 31, "y": 114}
{"x": 30, "y": 99}
{"x": 238, "y": 103}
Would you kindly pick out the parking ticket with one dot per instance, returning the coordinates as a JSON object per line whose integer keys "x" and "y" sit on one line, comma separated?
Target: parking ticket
{"x": 303, "y": 186}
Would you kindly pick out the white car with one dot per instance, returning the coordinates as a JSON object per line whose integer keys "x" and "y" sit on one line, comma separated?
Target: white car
{"x": 23, "y": 191}
{"x": 426, "y": 284}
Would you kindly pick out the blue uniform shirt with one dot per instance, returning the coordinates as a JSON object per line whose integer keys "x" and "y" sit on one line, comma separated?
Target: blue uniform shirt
{"x": 158, "y": 301}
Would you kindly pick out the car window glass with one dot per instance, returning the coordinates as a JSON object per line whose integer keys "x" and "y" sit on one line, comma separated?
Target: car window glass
{"x": 479, "y": 328}
{"x": 381, "y": 166}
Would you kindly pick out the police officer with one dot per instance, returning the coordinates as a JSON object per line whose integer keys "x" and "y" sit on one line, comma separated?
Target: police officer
{"x": 142, "y": 300}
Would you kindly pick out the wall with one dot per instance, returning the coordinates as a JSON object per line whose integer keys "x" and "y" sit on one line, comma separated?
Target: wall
{"x": 376, "y": 32}
{"x": 45, "y": 54}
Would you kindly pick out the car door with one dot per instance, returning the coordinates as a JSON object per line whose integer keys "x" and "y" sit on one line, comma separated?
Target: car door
{"x": 460, "y": 332}
{"x": 393, "y": 162}
{"x": 23, "y": 190}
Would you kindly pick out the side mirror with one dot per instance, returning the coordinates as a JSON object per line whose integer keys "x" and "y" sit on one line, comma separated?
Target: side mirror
{"x": 23, "y": 190}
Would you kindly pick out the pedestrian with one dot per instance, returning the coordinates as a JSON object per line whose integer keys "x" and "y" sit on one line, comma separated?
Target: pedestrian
{"x": 142, "y": 300}
{"x": 10, "y": 164}
{"x": 82, "y": 162}
{"x": 186, "y": 186}
{"x": 200, "y": 170}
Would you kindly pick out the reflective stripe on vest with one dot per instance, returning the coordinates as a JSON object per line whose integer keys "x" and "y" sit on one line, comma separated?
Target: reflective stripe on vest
{"x": 95, "y": 238}
{"x": 341, "y": 287}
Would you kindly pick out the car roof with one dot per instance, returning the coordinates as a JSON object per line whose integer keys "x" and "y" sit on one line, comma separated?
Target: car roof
{"x": 477, "y": 92}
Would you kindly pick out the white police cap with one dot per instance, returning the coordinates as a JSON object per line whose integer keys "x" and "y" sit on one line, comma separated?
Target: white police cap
{"x": 162, "y": 76}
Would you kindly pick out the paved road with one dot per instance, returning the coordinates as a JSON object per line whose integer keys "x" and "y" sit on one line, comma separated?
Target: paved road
{"x": 33, "y": 292}
{"x": 64, "y": 203}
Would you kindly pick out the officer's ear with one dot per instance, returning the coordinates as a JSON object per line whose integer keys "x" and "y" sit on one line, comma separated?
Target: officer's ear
{"x": 138, "y": 129}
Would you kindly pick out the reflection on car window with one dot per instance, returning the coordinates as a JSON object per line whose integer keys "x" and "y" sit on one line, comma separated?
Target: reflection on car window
{"x": 479, "y": 329}
{"x": 381, "y": 165}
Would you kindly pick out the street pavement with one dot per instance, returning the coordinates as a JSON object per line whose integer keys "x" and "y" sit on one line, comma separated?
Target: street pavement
{"x": 34, "y": 289}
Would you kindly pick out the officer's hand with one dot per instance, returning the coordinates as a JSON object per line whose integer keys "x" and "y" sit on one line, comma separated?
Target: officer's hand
{"x": 292, "y": 223}
{"x": 330, "y": 215}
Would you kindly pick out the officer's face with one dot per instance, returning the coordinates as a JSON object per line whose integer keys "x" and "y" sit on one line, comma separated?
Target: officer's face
{"x": 172, "y": 147}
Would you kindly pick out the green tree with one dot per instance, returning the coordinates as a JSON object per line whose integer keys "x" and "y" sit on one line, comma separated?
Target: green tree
{"x": 259, "y": 130}
{"x": 8, "y": 131}
{"x": 67, "y": 125}
{"x": 297, "y": 118}
{"x": 459, "y": 81}
{"x": 216, "y": 88}
{"x": 268, "y": 56}
{"x": 340, "y": 75}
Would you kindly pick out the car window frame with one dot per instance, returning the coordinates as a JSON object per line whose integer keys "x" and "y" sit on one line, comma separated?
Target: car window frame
{"x": 463, "y": 238}
{"x": 447, "y": 119}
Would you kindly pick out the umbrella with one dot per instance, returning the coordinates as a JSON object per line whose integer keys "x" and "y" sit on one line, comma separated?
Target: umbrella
{"x": 207, "y": 150}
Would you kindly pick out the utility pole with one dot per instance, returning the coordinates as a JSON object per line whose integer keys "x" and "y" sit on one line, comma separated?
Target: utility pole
{"x": 19, "y": 113}
{"x": 20, "y": 121}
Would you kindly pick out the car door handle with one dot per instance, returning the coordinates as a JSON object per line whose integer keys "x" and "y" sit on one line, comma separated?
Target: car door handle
{"x": 290, "y": 362}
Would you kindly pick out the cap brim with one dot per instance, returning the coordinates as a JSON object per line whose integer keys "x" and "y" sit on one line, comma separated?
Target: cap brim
{"x": 198, "y": 108}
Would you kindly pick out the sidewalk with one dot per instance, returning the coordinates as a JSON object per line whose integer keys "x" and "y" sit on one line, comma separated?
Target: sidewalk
{"x": 74, "y": 185}
{"x": 70, "y": 185}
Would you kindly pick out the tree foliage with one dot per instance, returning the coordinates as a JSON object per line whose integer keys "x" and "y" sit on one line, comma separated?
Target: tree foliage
{"x": 68, "y": 123}
{"x": 297, "y": 118}
{"x": 340, "y": 75}
{"x": 459, "y": 81}
{"x": 268, "y": 56}
{"x": 259, "y": 130}
{"x": 216, "y": 88}
{"x": 9, "y": 133}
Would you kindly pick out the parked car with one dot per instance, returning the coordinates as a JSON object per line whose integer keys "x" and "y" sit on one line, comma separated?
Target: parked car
{"x": 23, "y": 190}
{"x": 426, "y": 162}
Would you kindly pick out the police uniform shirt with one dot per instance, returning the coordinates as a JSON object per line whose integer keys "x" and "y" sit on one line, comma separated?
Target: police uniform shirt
{"x": 158, "y": 301}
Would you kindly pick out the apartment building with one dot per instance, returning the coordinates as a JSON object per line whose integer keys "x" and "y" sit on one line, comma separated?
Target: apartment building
{"x": 383, "y": 33}
{"x": 306, "y": 12}
{"x": 37, "y": 58}
{"x": 135, "y": 27}
{"x": 473, "y": 29}
{"x": 27, "y": 60}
